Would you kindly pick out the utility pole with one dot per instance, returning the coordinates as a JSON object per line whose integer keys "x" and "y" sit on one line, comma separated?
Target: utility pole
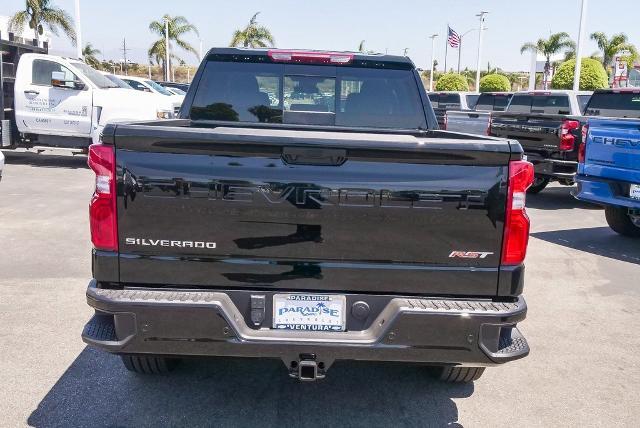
{"x": 124, "y": 54}
{"x": 433, "y": 47}
{"x": 481, "y": 16}
{"x": 581, "y": 31}
{"x": 167, "y": 55}
{"x": 78, "y": 32}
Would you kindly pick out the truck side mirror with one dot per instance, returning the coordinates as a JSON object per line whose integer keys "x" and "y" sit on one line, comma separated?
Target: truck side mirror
{"x": 59, "y": 80}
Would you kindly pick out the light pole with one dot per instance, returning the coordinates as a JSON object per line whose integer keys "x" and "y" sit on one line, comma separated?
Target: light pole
{"x": 433, "y": 47}
{"x": 78, "y": 31}
{"x": 481, "y": 16}
{"x": 460, "y": 47}
{"x": 581, "y": 31}
{"x": 167, "y": 55}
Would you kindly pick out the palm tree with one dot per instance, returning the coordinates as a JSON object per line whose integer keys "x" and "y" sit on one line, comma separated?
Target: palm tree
{"x": 89, "y": 55}
{"x": 253, "y": 35}
{"x": 556, "y": 43}
{"x": 611, "y": 47}
{"x": 42, "y": 13}
{"x": 178, "y": 27}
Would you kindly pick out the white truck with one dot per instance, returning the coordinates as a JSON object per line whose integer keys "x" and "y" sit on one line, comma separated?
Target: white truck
{"x": 63, "y": 102}
{"x": 149, "y": 86}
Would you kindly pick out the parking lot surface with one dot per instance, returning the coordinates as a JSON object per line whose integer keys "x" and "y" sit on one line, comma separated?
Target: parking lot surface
{"x": 582, "y": 288}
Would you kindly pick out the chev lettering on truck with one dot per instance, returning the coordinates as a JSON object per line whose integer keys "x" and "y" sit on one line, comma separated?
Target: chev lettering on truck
{"x": 613, "y": 141}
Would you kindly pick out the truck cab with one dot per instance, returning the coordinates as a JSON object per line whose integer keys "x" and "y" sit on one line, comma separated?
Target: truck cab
{"x": 64, "y": 102}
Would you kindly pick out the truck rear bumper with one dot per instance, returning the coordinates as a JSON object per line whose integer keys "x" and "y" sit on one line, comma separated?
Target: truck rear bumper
{"x": 208, "y": 323}
{"x": 605, "y": 192}
{"x": 560, "y": 169}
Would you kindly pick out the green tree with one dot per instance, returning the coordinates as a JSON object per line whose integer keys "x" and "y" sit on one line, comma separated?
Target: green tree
{"x": 610, "y": 47}
{"x": 592, "y": 75}
{"x": 253, "y": 35}
{"x": 178, "y": 26}
{"x": 555, "y": 44}
{"x": 452, "y": 82}
{"x": 39, "y": 14}
{"x": 89, "y": 55}
{"x": 495, "y": 83}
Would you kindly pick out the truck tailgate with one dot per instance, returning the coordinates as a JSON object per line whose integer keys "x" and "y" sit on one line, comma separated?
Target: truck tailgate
{"x": 535, "y": 132}
{"x": 471, "y": 122}
{"x": 302, "y": 210}
{"x": 613, "y": 149}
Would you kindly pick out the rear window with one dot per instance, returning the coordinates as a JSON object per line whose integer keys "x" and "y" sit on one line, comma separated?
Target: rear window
{"x": 445, "y": 100}
{"x": 308, "y": 94}
{"x": 492, "y": 102}
{"x": 611, "y": 104}
{"x": 545, "y": 104}
{"x": 472, "y": 100}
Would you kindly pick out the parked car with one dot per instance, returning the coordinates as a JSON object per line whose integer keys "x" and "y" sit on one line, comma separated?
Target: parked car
{"x": 289, "y": 228}
{"x": 63, "y": 102}
{"x": 182, "y": 86}
{"x": 118, "y": 81}
{"x": 547, "y": 124}
{"x": 609, "y": 161}
{"x": 176, "y": 91}
{"x": 148, "y": 85}
{"x": 448, "y": 100}
{"x": 477, "y": 121}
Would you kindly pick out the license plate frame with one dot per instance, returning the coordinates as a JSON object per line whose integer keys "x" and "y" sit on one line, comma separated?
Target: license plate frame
{"x": 309, "y": 312}
{"x": 634, "y": 191}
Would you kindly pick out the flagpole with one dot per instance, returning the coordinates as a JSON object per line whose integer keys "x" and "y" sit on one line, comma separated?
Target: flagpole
{"x": 459, "y": 53}
{"x": 446, "y": 48}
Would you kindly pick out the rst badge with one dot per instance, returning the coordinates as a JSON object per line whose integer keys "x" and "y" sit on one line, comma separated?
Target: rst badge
{"x": 470, "y": 254}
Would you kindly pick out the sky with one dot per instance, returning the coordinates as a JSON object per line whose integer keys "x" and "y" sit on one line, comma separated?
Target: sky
{"x": 341, "y": 24}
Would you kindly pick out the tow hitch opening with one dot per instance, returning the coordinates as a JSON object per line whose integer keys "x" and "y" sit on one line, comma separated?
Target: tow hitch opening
{"x": 307, "y": 368}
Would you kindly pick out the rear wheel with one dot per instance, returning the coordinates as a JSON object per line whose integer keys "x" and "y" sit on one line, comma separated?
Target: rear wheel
{"x": 457, "y": 374}
{"x": 620, "y": 221}
{"x": 149, "y": 364}
{"x": 539, "y": 183}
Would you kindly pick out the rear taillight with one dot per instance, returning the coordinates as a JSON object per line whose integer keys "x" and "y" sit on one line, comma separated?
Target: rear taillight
{"x": 489, "y": 124}
{"x": 582, "y": 149}
{"x": 310, "y": 57}
{"x": 102, "y": 209}
{"x": 516, "y": 224}
{"x": 567, "y": 139}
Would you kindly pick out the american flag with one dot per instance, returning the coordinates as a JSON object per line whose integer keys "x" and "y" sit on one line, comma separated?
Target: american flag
{"x": 453, "y": 39}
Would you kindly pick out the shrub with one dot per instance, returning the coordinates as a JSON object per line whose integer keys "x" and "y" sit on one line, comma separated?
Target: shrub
{"x": 592, "y": 75}
{"x": 452, "y": 82}
{"x": 495, "y": 83}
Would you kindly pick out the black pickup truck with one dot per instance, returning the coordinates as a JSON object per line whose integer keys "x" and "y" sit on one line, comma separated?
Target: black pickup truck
{"x": 306, "y": 208}
{"x": 548, "y": 124}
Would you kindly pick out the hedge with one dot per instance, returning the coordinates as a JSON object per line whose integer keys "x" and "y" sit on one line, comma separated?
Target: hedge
{"x": 495, "y": 83}
{"x": 452, "y": 82}
{"x": 592, "y": 75}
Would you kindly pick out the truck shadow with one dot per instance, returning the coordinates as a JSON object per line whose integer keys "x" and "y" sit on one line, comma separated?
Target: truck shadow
{"x": 45, "y": 160}
{"x": 96, "y": 390}
{"x": 601, "y": 241}
{"x": 555, "y": 198}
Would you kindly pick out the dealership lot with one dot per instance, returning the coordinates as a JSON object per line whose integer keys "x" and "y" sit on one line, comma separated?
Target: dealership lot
{"x": 582, "y": 287}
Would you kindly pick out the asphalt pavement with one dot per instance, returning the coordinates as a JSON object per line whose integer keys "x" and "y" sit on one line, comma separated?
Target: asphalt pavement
{"x": 582, "y": 288}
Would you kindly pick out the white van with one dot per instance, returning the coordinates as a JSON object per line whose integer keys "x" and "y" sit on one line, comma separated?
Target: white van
{"x": 64, "y": 102}
{"x": 147, "y": 85}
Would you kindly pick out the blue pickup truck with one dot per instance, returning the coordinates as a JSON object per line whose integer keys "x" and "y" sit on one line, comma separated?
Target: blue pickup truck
{"x": 609, "y": 158}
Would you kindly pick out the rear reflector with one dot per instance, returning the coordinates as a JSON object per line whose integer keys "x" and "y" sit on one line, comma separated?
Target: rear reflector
{"x": 516, "y": 225}
{"x": 102, "y": 209}
{"x": 567, "y": 139}
{"x": 310, "y": 57}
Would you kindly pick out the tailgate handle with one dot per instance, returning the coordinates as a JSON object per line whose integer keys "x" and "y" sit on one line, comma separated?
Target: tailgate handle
{"x": 474, "y": 115}
{"x": 314, "y": 156}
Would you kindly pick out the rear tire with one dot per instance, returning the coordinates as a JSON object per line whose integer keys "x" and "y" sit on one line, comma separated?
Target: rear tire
{"x": 619, "y": 220}
{"x": 539, "y": 183}
{"x": 452, "y": 374}
{"x": 150, "y": 364}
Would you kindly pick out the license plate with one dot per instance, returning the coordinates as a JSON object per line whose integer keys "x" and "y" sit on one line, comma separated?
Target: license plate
{"x": 634, "y": 191}
{"x": 309, "y": 312}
